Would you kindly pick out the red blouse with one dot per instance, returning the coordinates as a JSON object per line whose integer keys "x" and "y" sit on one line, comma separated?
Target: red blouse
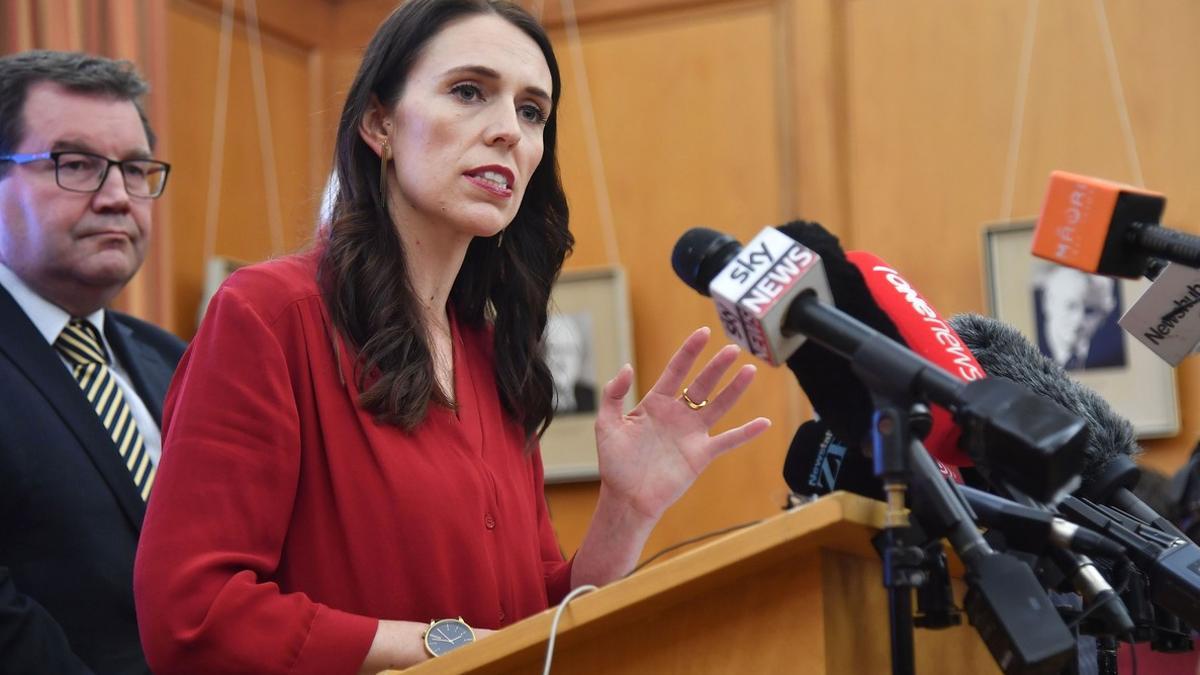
{"x": 285, "y": 521}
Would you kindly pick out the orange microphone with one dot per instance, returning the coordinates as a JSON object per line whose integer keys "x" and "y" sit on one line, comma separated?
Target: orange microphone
{"x": 1107, "y": 228}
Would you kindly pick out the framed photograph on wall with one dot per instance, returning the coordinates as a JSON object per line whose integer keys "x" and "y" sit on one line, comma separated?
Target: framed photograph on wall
{"x": 588, "y": 337}
{"x": 1072, "y": 318}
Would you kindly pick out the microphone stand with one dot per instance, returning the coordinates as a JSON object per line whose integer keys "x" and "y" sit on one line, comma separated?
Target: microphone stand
{"x": 901, "y": 560}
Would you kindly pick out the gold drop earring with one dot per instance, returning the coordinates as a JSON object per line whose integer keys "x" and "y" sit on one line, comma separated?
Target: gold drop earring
{"x": 383, "y": 162}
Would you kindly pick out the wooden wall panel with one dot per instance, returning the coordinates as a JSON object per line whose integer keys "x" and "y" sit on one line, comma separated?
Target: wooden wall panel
{"x": 242, "y": 227}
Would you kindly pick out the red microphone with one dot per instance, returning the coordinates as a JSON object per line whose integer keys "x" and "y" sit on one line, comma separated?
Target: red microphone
{"x": 927, "y": 334}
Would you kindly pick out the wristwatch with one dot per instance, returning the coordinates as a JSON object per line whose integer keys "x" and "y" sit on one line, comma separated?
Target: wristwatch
{"x": 446, "y": 635}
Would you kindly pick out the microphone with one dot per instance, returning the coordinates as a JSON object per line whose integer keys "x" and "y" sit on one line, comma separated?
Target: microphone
{"x": 1162, "y": 319}
{"x": 1030, "y": 529}
{"x": 753, "y": 287}
{"x": 818, "y": 463}
{"x": 1169, "y": 562}
{"x": 1109, "y": 473}
{"x": 774, "y": 290}
{"x": 924, "y": 331}
{"x": 1107, "y": 228}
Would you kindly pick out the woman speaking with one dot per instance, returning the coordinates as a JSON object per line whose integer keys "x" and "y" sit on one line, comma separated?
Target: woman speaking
{"x": 350, "y": 443}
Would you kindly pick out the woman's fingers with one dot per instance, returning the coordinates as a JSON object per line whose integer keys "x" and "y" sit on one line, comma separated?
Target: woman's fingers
{"x": 681, "y": 363}
{"x": 728, "y": 440}
{"x": 706, "y": 382}
{"x": 728, "y": 396}
{"x": 613, "y": 394}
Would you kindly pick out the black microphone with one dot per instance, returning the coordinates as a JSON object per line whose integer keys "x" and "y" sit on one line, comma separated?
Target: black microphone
{"x": 1109, "y": 473}
{"x": 1171, "y": 564}
{"x": 818, "y": 463}
{"x": 1031, "y": 529}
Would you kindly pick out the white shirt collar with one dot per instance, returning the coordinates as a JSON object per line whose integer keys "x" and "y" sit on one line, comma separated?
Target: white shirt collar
{"x": 47, "y": 317}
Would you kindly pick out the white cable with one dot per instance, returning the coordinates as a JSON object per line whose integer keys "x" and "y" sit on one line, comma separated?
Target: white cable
{"x": 592, "y": 136}
{"x": 216, "y": 157}
{"x": 1114, "y": 79}
{"x": 586, "y": 588}
{"x": 1018, "y": 121}
{"x": 266, "y": 137}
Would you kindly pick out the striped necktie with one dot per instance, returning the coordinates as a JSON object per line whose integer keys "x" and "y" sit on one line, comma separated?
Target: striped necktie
{"x": 80, "y": 344}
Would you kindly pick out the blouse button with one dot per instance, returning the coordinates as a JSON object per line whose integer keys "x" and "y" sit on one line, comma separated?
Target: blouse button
{"x": 489, "y": 522}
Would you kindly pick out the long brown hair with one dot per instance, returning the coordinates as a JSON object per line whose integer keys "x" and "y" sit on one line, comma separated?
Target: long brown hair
{"x": 504, "y": 280}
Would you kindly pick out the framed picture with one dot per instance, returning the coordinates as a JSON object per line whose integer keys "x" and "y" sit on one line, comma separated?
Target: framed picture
{"x": 1072, "y": 318}
{"x": 588, "y": 338}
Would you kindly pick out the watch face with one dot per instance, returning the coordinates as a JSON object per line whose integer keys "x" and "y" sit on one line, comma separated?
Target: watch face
{"x": 446, "y": 635}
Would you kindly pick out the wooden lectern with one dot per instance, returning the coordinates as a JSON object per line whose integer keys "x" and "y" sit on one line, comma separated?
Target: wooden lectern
{"x": 798, "y": 593}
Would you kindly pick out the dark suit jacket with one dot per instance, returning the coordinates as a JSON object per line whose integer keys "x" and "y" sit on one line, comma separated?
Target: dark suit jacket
{"x": 69, "y": 512}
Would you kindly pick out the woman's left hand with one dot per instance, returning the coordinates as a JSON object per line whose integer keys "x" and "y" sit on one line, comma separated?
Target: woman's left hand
{"x": 651, "y": 455}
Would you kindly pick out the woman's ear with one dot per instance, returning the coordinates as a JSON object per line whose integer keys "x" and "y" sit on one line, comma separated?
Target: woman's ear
{"x": 375, "y": 125}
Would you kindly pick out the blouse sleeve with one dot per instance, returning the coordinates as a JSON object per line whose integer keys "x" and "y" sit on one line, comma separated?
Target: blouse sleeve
{"x": 220, "y": 510}
{"x": 555, "y": 570}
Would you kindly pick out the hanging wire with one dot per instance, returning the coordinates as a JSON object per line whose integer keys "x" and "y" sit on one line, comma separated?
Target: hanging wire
{"x": 591, "y": 134}
{"x": 220, "y": 115}
{"x": 1018, "y": 121}
{"x": 266, "y": 137}
{"x": 1114, "y": 80}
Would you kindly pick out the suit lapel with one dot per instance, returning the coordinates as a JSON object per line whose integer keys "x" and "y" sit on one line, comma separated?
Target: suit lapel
{"x": 21, "y": 342}
{"x": 144, "y": 365}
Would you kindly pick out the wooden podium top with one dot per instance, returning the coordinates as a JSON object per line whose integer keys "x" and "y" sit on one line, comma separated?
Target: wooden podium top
{"x": 839, "y": 522}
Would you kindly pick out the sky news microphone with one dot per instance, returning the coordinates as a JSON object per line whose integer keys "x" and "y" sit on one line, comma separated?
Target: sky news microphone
{"x": 1166, "y": 318}
{"x": 1107, "y": 228}
{"x": 771, "y": 293}
{"x": 1109, "y": 472}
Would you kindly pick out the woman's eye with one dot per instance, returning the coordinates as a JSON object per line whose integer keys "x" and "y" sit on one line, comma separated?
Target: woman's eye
{"x": 467, "y": 92}
{"x": 533, "y": 113}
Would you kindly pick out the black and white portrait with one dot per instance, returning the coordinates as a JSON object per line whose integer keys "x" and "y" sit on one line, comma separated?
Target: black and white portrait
{"x": 569, "y": 356}
{"x": 1075, "y": 316}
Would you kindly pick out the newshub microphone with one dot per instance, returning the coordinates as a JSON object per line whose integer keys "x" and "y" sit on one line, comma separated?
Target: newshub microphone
{"x": 1109, "y": 472}
{"x": 1107, "y": 228}
{"x": 1011, "y": 429}
{"x": 1165, "y": 318}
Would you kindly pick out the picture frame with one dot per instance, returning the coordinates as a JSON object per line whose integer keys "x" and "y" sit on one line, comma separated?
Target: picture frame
{"x": 588, "y": 338}
{"x": 1071, "y": 316}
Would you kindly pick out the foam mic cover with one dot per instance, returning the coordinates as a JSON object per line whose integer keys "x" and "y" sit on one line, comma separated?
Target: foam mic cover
{"x": 927, "y": 334}
{"x": 818, "y": 463}
{"x": 1003, "y": 351}
{"x": 837, "y": 395}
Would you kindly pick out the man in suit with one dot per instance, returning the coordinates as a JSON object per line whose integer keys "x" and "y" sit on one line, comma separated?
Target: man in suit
{"x": 81, "y": 386}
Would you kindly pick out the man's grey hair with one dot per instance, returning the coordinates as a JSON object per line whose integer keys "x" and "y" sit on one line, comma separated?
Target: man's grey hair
{"x": 74, "y": 71}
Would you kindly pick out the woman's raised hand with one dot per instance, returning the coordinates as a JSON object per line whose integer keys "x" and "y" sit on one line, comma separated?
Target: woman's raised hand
{"x": 651, "y": 455}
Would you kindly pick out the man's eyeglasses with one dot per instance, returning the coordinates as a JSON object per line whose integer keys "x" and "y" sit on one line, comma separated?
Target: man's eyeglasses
{"x": 86, "y": 172}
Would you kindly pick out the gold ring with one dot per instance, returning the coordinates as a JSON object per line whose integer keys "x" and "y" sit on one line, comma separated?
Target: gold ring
{"x": 694, "y": 405}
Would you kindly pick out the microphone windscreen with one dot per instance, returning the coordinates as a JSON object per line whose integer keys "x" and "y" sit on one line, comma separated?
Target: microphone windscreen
{"x": 837, "y": 395}
{"x": 1003, "y": 351}
{"x": 818, "y": 463}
